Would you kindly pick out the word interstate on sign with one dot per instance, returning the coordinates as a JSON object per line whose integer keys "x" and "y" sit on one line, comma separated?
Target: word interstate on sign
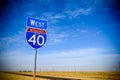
{"x": 36, "y": 30}
{"x": 36, "y": 23}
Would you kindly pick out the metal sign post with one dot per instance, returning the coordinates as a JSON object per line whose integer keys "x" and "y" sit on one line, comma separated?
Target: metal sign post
{"x": 36, "y": 36}
{"x": 35, "y": 59}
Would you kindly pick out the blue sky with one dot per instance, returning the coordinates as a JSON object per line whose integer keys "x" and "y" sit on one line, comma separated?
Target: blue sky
{"x": 82, "y": 35}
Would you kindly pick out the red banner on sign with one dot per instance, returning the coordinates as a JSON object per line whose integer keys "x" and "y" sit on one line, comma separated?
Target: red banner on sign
{"x": 36, "y": 30}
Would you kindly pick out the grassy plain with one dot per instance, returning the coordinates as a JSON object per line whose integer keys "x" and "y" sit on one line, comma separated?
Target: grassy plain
{"x": 8, "y": 76}
{"x": 86, "y": 75}
{"x": 79, "y": 75}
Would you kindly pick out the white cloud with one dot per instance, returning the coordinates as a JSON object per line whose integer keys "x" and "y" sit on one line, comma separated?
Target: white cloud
{"x": 52, "y": 17}
{"x": 98, "y": 32}
{"x": 55, "y": 35}
{"x": 30, "y": 13}
{"x": 14, "y": 40}
{"x": 59, "y": 16}
{"x": 77, "y": 12}
{"x": 82, "y": 31}
{"x": 87, "y": 59}
{"x": 49, "y": 15}
{"x": 79, "y": 53}
{"x": 55, "y": 38}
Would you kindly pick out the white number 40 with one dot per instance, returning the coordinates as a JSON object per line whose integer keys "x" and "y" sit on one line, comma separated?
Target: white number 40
{"x": 33, "y": 39}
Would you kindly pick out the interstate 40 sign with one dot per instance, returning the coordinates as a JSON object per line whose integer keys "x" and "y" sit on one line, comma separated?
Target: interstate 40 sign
{"x": 36, "y": 35}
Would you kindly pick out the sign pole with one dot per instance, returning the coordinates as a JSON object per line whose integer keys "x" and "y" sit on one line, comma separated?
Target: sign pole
{"x": 36, "y": 36}
{"x": 35, "y": 59}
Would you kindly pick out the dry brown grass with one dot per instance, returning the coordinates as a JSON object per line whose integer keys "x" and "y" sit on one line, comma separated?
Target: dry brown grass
{"x": 80, "y": 75}
{"x": 7, "y": 76}
{"x": 85, "y": 75}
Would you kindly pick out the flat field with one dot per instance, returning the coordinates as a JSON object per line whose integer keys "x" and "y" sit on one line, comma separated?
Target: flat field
{"x": 9, "y": 76}
{"x": 78, "y": 75}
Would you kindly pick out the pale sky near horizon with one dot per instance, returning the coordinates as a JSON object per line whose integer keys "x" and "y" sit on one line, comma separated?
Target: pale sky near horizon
{"x": 82, "y": 35}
